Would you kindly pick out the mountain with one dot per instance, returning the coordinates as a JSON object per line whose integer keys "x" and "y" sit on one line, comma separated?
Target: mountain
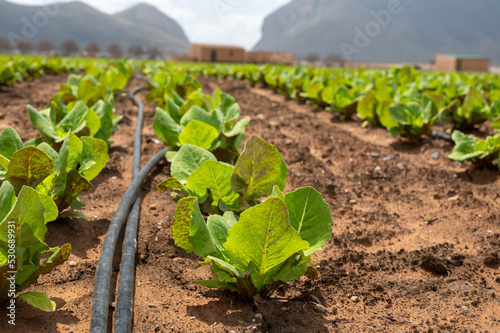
{"x": 384, "y": 30}
{"x": 148, "y": 16}
{"x": 84, "y": 24}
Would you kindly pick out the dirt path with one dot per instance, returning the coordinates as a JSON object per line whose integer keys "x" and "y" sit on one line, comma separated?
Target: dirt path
{"x": 415, "y": 249}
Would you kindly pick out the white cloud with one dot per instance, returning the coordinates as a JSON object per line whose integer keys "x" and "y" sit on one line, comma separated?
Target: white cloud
{"x": 236, "y": 22}
{"x": 235, "y": 29}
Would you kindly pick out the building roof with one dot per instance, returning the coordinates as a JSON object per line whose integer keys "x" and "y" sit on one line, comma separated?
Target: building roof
{"x": 268, "y": 52}
{"x": 467, "y": 56}
{"x": 232, "y": 47}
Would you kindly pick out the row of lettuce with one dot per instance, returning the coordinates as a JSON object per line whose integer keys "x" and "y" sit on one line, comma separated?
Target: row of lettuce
{"x": 406, "y": 101}
{"x": 42, "y": 179}
{"x": 18, "y": 68}
{"x": 231, "y": 210}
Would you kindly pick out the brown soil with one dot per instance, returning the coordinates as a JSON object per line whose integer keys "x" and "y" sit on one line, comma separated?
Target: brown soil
{"x": 416, "y": 245}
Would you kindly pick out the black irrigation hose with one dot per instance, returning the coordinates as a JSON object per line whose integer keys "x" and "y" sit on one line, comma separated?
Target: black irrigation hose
{"x": 125, "y": 301}
{"x": 100, "y": 303}
{"x": 124, "y": 308}
{"x": 443, "y": 136}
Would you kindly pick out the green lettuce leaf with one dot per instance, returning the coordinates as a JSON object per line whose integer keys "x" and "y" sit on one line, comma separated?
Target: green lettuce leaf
{"x": 188, "y": 159}
{"x": 94, "y": 157}
{"x": 259, "y": 168}
{"x": 310, "y": 216}
{"x": 190, "y": 231}
{"x": 166, "y": 128}
{"x": 263, "y": 238}
{"x": 38, "y": 300}
{"x": 10, "y": 142}
{"x": 199, "y": 134}
{"x": 28, "y": 167}
{"x": 215, "y": 177}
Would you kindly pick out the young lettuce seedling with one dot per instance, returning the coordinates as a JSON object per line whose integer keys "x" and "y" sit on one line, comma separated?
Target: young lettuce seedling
{"x": 208, "y": 122}
{"x": 62, "y": 175}
{"x": 221, "y": 187}
{"x": 22, "y": 223}
{"x": 55, "y": 122}
{"x": 479, "y": 152}
{"x": 474, "y": 110}
{"x": 262, "y": 245}
{"x": 414, "y": 119}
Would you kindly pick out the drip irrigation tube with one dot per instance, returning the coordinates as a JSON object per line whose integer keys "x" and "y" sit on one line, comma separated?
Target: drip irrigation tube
{"x": 442, "y": 136}
{"x": 100, "y": 303}
{"x": 125, "y": 301}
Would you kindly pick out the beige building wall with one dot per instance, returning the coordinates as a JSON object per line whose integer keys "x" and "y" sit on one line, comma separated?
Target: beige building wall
{"x": 216, "y": 53}
{"x": 235, "y": 54}
{"x": 474, "y": 65}
{"x": 450, "y": 63}
{"x": 194, "y": 52}
{"x": 445, "y": 63}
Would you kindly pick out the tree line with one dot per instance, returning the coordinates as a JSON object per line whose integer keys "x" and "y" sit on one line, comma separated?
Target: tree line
{"x": 70, "y": 47}
{"x": 331, "y": 59}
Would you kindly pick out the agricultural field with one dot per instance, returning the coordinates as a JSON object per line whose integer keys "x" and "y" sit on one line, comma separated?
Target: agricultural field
{"x": 290, "y": 199}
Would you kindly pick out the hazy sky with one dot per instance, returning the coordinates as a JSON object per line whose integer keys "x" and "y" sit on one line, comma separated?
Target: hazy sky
{"x": 236, "y": 22}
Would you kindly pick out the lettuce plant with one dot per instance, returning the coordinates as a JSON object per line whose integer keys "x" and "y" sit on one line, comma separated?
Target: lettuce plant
{"x": 479, "y": 152}
{"x": 374, "y": 107}
{"x": 343, "y": 100}
{"x": 55, "y": 122}
{"x": 22, "y": 234}
{"x": 265, "y": 243}
{"x": 84, "y": 105}
{"x": 414, "y": 119}
{"x": 496, "y": 123}
{"x": 474, "y": 110}
{"x": 114, "y": 76}
{"x": 196, "y": 172}
{"x": 172, "y": 84}
{"x": 62, "y": 175}
{"x": 209, "y": 122}
{"x": 86, "y": 88}
{"x": 8, "y": 73}
{"x": 221, "y": 187}
{"x": 313, "y": 93}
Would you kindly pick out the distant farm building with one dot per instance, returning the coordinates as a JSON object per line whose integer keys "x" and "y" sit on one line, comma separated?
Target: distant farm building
{"x": 234, "y": 54}
{"x": 461, "y": 62}
{"x": 216, "y": 53}
{"x": 270, "y": 58}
